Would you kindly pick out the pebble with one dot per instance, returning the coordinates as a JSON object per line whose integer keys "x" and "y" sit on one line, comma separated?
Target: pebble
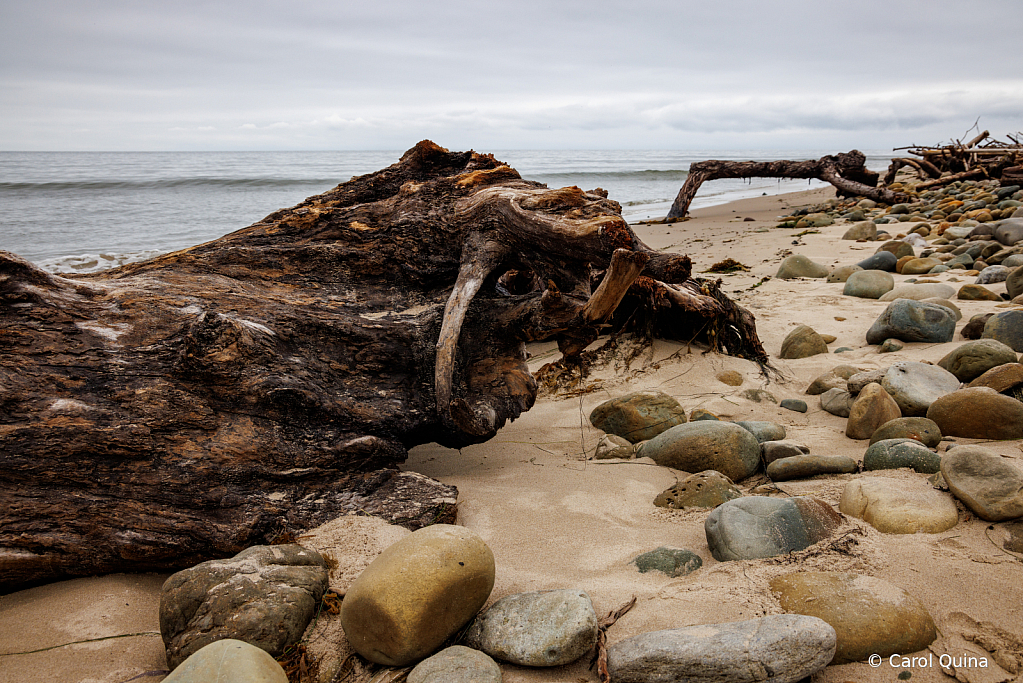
{"x": 912, "y": 321}
{"x": 890, "y": 346}
{"x": 802, "y": 342}
{"x": 776, "y": 450}
{"x": 869, "y": 284}
{"x": 971, "y": 360}
{"x": 395, "y": 617}
{"x": 759, "y": 396}
{"x": 872, "y": 408}
{"x": 702, "y": 490}
{"x": 228, "y": 661}
{"x": 763, "y": 430}
{"x": 730, "y": 377}
{"x": 1006, "y": 327}
{"x": 544, "y": 628}
{"x": 917, "y": 428}
{"x": 870, "y": 616}
{"x": 978, "y": 413}
{"x": 705, "y": 445}
{"x": 456, "y": 664}
{"x": 754, "y": 527}
{"x": 806, "y": 466}
{"x": 794, "y": 404}
{"x": 780, "y": 648}
{"x": 797, "y": 266}
{"x": 834, "y": 378}
{"x": 984, "y": 481}
{"x": 837, "y": 402}
{"x": 638, "y": 416}
{"x": 882, "y": 260}
{"x": 674, "y": 562}
{"x": 914, "y": 386}
{"x": 865, "y": 230}
{"x": 895, "y": 453}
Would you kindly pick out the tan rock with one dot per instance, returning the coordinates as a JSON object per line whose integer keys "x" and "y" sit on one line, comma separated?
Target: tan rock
{"x": 730, "y": 377}
{"x": 802, "y": 342}
{"x": 1001, "y": 378}
{"x": 418, "y": 593}
{"x": 984, "y": 481}
{"x": 918, "y": 266}
{"x": 899, "y": 507}
{"x": 870, "y": 616}
{"x": 872, "y": 408}
{"x": 978, "y": 413}
{"x": 706, "y": 489}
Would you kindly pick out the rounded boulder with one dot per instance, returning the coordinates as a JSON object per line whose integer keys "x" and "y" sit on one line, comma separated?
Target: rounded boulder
{"x": 638, "y": 416}
{"x": 706, "y": 445}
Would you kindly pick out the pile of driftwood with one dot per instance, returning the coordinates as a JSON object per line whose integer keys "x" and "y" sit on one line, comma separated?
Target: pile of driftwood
{"x": 978, "y": 158}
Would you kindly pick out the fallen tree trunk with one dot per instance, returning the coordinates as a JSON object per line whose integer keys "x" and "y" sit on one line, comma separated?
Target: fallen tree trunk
{"x": 245, "y": 389}
{"x": 845, "y": 171}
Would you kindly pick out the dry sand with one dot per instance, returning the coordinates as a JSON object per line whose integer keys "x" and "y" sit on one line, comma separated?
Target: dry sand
{"x": 557, "y": 520}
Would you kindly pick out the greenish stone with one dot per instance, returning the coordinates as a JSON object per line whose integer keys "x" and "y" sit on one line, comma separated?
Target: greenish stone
{"x": 674, "y": 562}
{"x": 795, "y": 404}
{"x": 891, "y": 454}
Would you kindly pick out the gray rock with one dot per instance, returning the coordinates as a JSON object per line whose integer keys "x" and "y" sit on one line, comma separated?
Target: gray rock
{"x": 797, "y": 265}
{"x": 1009, "y": 231}
{"x": 993, "y": 274}
{"x": 1006, "y": 327}
{"x": 228, "y": 661}
{"x": 882, "y": 260}
{"x": 753, "y": 527}
{"x": 638, "y": 416}
{"x": 264, "y": 595}
{"x": 913, "y": 321}
{"x": 972, "y": 359}
{"x": 985, "y": 482}
{"x": 915, "y": 386}
{"x": 456, "y": 664}
{"x": 776, "y": 450}
{"x": 1012, "y": 262}
{"x": 806, "y": 466}
{"x": 834, "y": 378}
{"x": 892, "y": 454}
{"x": 869, "y": 284}
{"x": 702, "y": 490}
{"x": 706, "y": 445}
{"x": 837, "y": 402}
{"x": 842, "y": 273}
{"x": 780, "y": 648}
{"x": 794, "y": 404}
{"x": 545, "y": 628}
{"x": 802, "y": 342}
{"x": 899, "y": 507}
{"x": 947, "y": 304}
{"x": 890, "y": 346}
{"x": 919, "y": 292}
{"x": 866, "y": 230}
{"x": 857, "y": 382}
{"x": 763, "y": 430}
{"x": 674, "y": 562}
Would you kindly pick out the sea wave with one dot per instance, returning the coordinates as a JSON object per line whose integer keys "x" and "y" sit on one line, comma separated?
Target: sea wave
{"x": 193, "y": 181}
{"x": 93, "y": 263}
{"x": 624, "y": 175}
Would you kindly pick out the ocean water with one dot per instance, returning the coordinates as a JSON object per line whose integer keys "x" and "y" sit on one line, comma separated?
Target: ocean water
{"x": 87, "y": 211}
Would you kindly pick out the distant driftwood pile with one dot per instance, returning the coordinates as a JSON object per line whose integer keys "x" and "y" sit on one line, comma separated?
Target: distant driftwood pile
{"x": 981, "y": 157}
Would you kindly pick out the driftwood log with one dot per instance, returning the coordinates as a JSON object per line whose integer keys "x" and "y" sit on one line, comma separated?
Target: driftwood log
{"x": 845, "y": 171}
{"x": 186, "y": 407}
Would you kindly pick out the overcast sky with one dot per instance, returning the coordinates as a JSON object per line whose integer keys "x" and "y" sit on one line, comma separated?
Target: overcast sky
{"x": 384, "y": 74}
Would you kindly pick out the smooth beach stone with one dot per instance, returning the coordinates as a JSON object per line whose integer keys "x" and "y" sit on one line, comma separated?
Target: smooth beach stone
{"x": 417, "y": 593}
{"x": 897, "y": 247}
{"x": 872, "y": 408}
{"x": 456, "y": 664}
{"x": 815, "y": 220}
{"x": 802, "y": 342}
{"x": 545, "y": 628}
{"x": 892, "y": 454}
{"x": 834, "y": 378}
{"x": 1006, "y": 327}
{"x": 971, "y": 360}
{"x": 882, "y": 260}
{"x": 702, "y": 414}
{"x": 228, "y": 661}
{"x": 913, "y": 321}
{"x": 970, "y": 292}
{"x": 1014, "y": 283}
{"x": 842, "y": 273}
{"x": 901, "y": 263}
{"x": 837, "y": 402}
{"x": 898, "y": 506}
{"x": 975, "y": 328}
{"x": 947, "y": 304}
{"x": 612, "y": 446}
{"x": 703, "y": 490}
{"x": 856, "y": 383}
{"x": 993, "y": 275}
{"x": 754, "y": 527}
{"x": 763, "y": 430}
{"x": 1013, "y": 262}
{"x": 794, "y": 404}
{"x": 890, "y": 346}
{"x": 776, "y": 450}
{"x": 917, "y": 428}
{"x": 674, "y": 562}
{"x": 1002, "y": 378}
{"x": 865, "y": 230}
{"x": 797, "y": 266}
{"x": 978, "y": 413}
{"x": 705, "y": 445}
{"x": 638, "y": 416}
{"x": 829, "y": 338}
{"x": 870, "y": 616}
{"x": 730, "y": 377}
{"x": 919, "y": 266}
{"x": 919, "y": 292}
{"x": 1009, "y": 231}
{"x": 984, "y": 481}
{"x": 779, "y": 648}
{"x": 869, "y": 284}
{"x": 915, "y": 386}
{"x": 264, "y": 595}
{"x": 806, "y": 466}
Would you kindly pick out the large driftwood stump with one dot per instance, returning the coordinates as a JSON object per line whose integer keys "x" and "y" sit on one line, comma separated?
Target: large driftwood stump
{"x": 183, "y": 408}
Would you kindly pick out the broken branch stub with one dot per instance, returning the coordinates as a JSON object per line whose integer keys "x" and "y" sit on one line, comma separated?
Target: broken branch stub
{"x": 186, "y": 407}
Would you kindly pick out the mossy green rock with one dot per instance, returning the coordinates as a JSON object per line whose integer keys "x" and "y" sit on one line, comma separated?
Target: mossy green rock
{"x": 971, "y": 360}
{"x": 892, "y": 454}
{"x": 673, "y": 562}
{"x": 638, "y": 416}
{"x": 920, "y": 429}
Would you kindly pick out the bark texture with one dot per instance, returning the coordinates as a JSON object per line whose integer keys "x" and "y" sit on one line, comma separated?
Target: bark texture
{"x": 243, "y": 390}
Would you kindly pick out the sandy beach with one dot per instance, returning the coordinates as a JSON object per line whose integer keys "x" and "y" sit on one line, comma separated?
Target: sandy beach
{"x": 556, "y": 519}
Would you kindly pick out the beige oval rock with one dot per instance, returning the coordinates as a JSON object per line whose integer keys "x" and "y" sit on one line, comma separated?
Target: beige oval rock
{"x": 872, "y": 408}
{"x": 417, "y": 593}
{"x": 978, "y": 413}
{"x": 870, "y": 616}
{"x": 984, "y": 481}
{"x": 899, "y": 507}
{"x": 1001, "y": 378}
